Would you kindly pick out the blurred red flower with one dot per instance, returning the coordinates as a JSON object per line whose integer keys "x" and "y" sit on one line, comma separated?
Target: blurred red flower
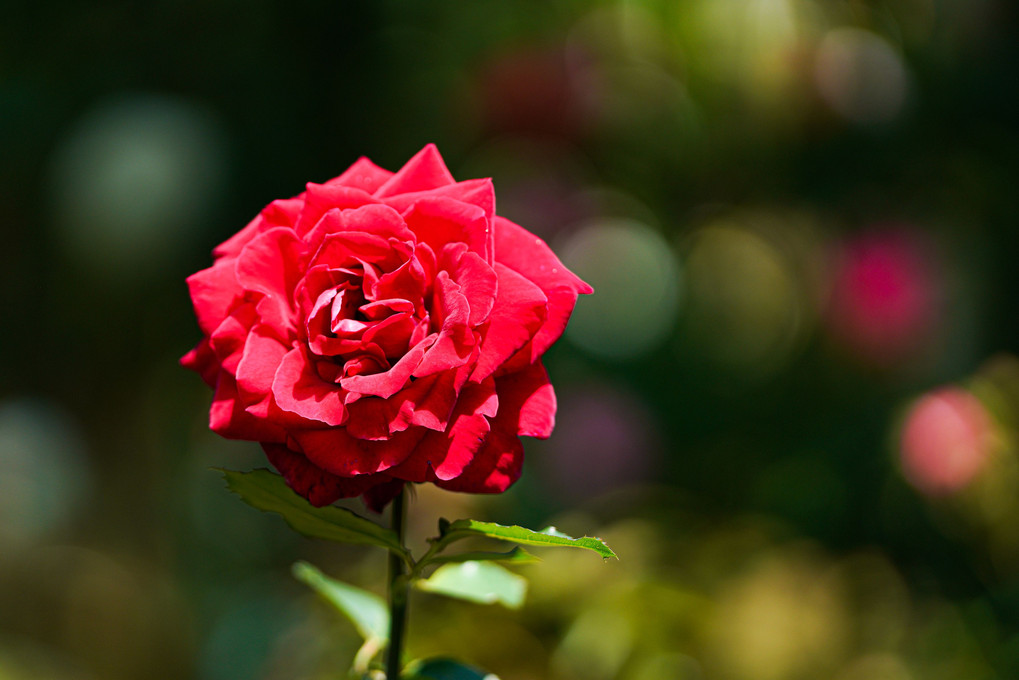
{"x": 886, "y": 295}
{"x": 383, "y": 328}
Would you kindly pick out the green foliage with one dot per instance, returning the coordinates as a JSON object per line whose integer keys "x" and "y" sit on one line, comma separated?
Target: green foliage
{"x": 547, "y": 537}
{"x": 478, "y": 581}
{"x": 367, "y": 611}
{"x": 515, "y": 556}
{"x": 268, "y": 492}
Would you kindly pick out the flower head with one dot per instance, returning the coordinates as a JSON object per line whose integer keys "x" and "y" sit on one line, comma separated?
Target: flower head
{"x": 383, "y": 328}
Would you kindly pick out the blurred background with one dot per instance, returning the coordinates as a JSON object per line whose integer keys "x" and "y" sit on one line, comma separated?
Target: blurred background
{"x": 792, "y": 405}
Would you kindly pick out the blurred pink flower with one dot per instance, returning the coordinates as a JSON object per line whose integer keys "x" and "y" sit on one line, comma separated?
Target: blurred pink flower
{"x": 946, "y": 440}
{"x": 886, "y": 291}
{"x": 605, "y": 439}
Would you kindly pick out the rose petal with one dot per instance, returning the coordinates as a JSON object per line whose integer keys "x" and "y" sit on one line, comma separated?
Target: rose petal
{"x": 479, "y": 192}
{"x": 388, "y": 383}
{"x": 214, "y": 292}
{"x": 229, "y": 337}
{"x": 494, "y": 468}
{"x": 478, "y": 281}
{"x": 385, "y": 490}
{"x": 375, "y": 219}
{"x": 528, "y": 255}
{"x": 455, "y": 342}
{"x": 517, "y": 315}
{"x": 321, "y": 198}
{"x": 297, "y": 388}
{"x": 527, "y": 402}
{"x": 380, "y": 309}
{"x": 263, "y": 353}
{"x": 428, "y": 402}
{"x": 280, "y": 213}
{"x": 448, "y": 453}
{"x": 391, "y": 335}
{"x": 272, "y": 264}
{"x": 228, "y": 418}
{"x": 438, "y": 220}
{"x": 364, "y": 175}
{"x": 337, "y": 452}
{"x": 312, "y": 482}
{"x": 426, "y": 170}
{"x": 203, "y": 361}
{"x": 561, "y": 302}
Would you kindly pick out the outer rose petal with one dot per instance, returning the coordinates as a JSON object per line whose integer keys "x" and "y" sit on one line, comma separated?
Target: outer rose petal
{"x": 525, "y": 253}
{"x": 214, "y": 292}
{"x": 494, "y": 468}
{"x": 426, "y": 170}
{"x": 528, "y": 395}
{"x": 526, "y": 403}
{"x": 272, "y": 264}
{"x": 385, "y": 490}
{"x": 321, "y": 198}
{"x": 364, "y": 175}
{"x": 529, "y": 256}
{"x": 280, "y": 213}
{"x": 228, "y": 418}
{"x": 262, "y": 356}
{"x": 518, "y": 314}
{"x": 229, "y": 338}
{"x": 477, "y": 192}
{"x": 203, "y": 361}
{"x": 312, "y": 482}
{"x": 337, "y": 452}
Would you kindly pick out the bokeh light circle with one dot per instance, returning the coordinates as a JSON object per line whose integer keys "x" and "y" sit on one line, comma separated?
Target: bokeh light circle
{"x": 637, "y": 288}
{"x": 133, "y": 179}
{"x": 44, "y": 475}
{"x": 946, "y": 441}
{"x": 605, "y": 438}
{"x": 746, "y": 305}
{"x": 860, "y": 76}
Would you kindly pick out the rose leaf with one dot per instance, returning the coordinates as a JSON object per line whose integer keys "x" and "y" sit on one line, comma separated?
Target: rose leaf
{"x": 515, "y": 556}
{"x": 267, "y": 491}
{"x": 366, "y": 610}
{"x": 547, "y": 537}
{"x": 477, "y": 581}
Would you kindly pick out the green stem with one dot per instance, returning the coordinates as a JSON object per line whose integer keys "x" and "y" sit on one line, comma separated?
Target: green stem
{"x": 397, "y": 594}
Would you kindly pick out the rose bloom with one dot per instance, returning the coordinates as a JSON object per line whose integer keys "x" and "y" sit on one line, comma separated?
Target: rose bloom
{"x": 383, "y": 328}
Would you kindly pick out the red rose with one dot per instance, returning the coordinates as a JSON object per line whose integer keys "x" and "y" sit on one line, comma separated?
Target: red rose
{"x": 383, "y": 328}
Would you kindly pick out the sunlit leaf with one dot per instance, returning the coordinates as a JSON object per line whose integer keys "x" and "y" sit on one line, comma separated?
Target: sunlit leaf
{"x": 446, "y": 669}
{"x": 367, "y": 611}
{"x": 268, "y": 492}
{"x": 477, "y": 581}
{"x": 548, "y": 537}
